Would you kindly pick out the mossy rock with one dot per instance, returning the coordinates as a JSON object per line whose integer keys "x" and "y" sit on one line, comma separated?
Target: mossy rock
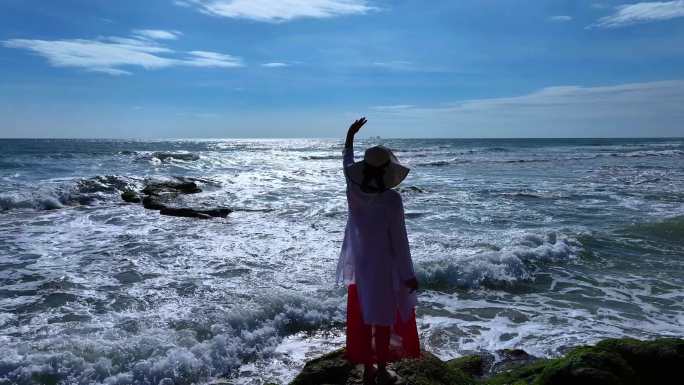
{"x": 588, "y": 366}
{"x": 430, "y": 370}
{"x": 475, "y": 365}
{"x": 610, "y": 362}
{"x": 332, "y": 368}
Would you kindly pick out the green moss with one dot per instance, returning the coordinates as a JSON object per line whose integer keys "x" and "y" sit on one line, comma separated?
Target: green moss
{"x": 430, "y": 370}
{"x": 331, "y": 368}
{"x": 610, "y": 362}
{"x": 472, "y": 365}
{"x": 522, "y": 375}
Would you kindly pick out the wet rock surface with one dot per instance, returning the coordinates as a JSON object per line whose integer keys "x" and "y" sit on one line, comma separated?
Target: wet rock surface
{"x": 610, "y": 362}
{"x": 165, "y": 197}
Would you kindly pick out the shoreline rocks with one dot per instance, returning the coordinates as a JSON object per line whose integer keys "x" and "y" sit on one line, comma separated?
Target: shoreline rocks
{"x": 623, "y": 361}
{"x": 164, "y": 197}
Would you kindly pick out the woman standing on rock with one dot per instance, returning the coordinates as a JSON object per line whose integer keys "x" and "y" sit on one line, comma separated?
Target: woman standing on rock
{"x": 375, "y": 263}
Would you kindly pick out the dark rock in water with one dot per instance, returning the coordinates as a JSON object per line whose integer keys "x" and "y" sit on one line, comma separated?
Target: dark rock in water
{"x": 105, "y": 183}
{"x": 166, "y": 187}
{"x": 130, "y": 196}
{"x": 152, "y": 202}
{"x": 410, "y": 189}
{"x": 194, "y": 213}
{"x": 165, "y": 156}
{"x": 163, "y": 196}
{"x": 164, "y": 203}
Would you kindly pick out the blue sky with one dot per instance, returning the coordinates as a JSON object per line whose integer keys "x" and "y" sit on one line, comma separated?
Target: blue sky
{"x": 306, "y": 68}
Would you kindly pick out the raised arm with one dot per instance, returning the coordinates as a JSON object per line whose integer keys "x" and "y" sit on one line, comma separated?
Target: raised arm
{"x": 348, "y": 158}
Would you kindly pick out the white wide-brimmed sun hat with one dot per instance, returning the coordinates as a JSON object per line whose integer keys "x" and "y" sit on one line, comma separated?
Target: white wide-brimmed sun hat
{"x": 378, "y": 157}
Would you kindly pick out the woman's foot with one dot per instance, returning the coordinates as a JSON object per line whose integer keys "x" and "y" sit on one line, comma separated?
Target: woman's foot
{"x": 369, "y": 374}
{"x": 385, "y": 377}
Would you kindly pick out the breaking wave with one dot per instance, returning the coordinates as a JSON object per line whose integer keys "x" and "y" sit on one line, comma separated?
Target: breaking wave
{"x": 86, "y": 191}
{"x": 504, "y": 267}
{"x": 190, "y": 352}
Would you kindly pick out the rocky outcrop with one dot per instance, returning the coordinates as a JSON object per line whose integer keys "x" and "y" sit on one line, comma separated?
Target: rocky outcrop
{"x": 165, "y": 197}
{"x": 610, "y": 362}
{"x": 176, "y": 186}
{"x": 130, "y": 196}
{"x": 166, "y": 156}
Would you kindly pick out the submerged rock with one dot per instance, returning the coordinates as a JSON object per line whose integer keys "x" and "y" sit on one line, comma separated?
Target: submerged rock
{"x": 166, "y": 156}
{"x": 155, "y": 202}
{"x": 610, "y": 362}
{"x": 130, "y": 196}
{"x": 195, "y": 213}
{"x": 178, "y": 186}
{"x": 165, "y": 197}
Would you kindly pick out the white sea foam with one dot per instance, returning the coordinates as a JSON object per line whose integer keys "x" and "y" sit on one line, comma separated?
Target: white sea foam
{"x": 161, "y": 354}
{"x": 509, "y": 265}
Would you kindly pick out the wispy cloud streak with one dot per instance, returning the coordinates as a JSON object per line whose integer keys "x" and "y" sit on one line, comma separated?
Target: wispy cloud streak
{"x": 157, "y": 34}
{"x": 115, "y": 55}
{"x": 644, "y": 106}
{"x": 560, "y": 18}
{"x": 278, "y": 10}
{"x": 638, "y": 13}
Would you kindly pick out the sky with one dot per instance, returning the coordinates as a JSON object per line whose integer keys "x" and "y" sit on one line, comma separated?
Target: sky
{"x": 307, "y": 68}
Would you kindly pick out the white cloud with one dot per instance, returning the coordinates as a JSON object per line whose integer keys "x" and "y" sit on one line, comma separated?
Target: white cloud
{"x": 618, "y": 110}
{"x": 644, "y": 12}
{"x": 396, "y": 65}
{"x": 278, "y": 10}
{"x": 212, "y": 59}
{"x": 393, "y": 108}
{"x": 560, "y": 18}
{"x": 157, "y": 34}
{"x": 115, "y": 55}
{"x": 275, "y": 65}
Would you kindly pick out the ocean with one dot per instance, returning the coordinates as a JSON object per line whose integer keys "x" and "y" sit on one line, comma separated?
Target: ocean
{"x": 539, "y": 244}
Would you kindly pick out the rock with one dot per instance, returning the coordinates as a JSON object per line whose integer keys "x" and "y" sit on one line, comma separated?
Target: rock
{"x": 410, "y": 189}
{"x": 430, "y": 370}
{"x": 130, "y": 196}
{"x": 476, "y": 365}
{"x": 106, "y": 184}
{"x": 165, "y": 156}
{"x": 177, "y": 187}
{"x": 152, "y": 202}
{"x": 334, "y": 369}
{"x": 163, "y": 196}
{"x": 510, "y": 358}
{"x": 194, "y": 213}
{"x": 611, "y": 362}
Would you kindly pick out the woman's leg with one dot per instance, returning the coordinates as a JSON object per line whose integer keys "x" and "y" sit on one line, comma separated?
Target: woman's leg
{"x": 359, "y": 335}
{"x": 382, "y": 340}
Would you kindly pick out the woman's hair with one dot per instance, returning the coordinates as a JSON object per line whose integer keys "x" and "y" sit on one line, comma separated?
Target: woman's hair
{"x": 372, "y": 173}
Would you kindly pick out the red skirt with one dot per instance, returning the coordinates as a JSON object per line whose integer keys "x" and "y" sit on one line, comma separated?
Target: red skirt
{"x": 362, "y": 348}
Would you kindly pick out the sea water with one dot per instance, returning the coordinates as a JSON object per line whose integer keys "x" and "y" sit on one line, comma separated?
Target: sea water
{"x": 529, "y": 243}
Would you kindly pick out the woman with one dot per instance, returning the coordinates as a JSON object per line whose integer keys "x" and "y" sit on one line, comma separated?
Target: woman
{"x": 375, "y": 263}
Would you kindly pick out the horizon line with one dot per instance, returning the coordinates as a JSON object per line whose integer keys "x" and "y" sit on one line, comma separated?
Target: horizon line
{"x": 342, "y": 138}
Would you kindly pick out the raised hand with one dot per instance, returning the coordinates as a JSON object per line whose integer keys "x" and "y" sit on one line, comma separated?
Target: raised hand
{"x": 356, "y": 126}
